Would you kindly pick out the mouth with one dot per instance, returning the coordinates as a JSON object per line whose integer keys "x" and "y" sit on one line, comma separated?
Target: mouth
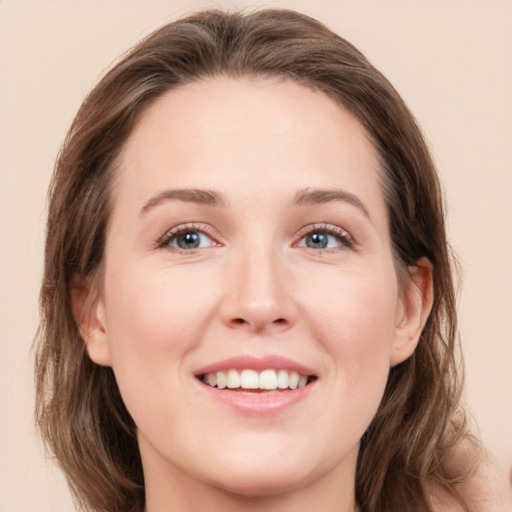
{"x": 257, "y": 386}
{"x": 252, "y": 381}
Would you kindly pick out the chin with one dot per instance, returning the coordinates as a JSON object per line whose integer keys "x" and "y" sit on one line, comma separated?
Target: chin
{"x": 262, "y": 478}
{"x": 253, "y": 484}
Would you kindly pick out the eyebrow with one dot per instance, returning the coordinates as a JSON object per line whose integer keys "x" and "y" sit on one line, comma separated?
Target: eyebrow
{"x": 306, "y": 196}
{"x": 309, "y": 196}
{"x": 188, "y": 195}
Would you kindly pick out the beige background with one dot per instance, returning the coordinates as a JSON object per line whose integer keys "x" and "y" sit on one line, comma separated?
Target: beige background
{"x": 451, "y": 60}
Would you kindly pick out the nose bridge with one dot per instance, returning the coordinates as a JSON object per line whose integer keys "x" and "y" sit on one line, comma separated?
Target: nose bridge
{"x": 259, "y": 297}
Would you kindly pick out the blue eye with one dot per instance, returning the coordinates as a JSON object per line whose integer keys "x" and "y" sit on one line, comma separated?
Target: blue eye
{"x": 190, "y": 240}
{"x": 319, "y": 240}
{"x": 326, "y": 238}
{"x": 186, "y": 238}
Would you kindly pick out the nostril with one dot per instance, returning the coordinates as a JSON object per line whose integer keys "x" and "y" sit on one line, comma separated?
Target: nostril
{"x": 259, "y": 322}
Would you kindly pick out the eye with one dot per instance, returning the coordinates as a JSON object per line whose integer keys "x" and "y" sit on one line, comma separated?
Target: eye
{"x": 190, "y": 240}
{"x": 187, "y": 238}
{"x": 325, "y": 237}
{"x": 320, "y": 240}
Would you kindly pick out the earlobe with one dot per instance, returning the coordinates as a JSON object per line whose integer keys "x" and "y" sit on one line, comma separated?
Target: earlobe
{"x": 415, "y": 303}
{"x": 89, "y": 314}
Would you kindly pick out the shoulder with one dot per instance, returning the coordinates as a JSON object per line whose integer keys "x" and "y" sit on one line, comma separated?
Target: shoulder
{"x": 489, "y": 489}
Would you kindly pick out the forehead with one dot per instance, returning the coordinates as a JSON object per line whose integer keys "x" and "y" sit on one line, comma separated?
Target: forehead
{"x": 264, "y": 133}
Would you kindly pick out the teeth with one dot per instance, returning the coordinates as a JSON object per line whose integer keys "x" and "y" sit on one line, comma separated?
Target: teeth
{"x": 268, "y": 379}
{"x": 221, "y": 380}
{"x": 282, "y": 379}
{"x": 293, "y": 380}
{"x": 251, "y": 379}
{"x": 233, "y": 379}
{"x": 211, "y": 379}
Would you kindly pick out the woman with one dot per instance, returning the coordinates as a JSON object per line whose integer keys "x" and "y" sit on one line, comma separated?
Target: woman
{"x": 248, "y": 298}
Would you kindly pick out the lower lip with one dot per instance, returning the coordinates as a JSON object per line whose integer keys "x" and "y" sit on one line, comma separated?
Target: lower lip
{"x": 258, "y": 403}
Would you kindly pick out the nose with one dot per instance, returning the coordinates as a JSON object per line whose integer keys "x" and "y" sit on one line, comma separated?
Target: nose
{"x": 259, "y": 296}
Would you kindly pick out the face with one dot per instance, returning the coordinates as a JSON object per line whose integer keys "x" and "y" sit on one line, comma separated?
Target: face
{"x": 249, "y": 304}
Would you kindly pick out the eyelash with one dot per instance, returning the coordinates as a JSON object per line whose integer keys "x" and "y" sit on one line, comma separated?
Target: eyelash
{"x": 342, "y": 236}
{"x": 164, "y": 241}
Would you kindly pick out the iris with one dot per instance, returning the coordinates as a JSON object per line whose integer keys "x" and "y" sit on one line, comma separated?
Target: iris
{"x": 317, "y": 240}
{"x": 188, "y": 240}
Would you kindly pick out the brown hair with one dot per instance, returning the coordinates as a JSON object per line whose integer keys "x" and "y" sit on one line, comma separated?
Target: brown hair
{"x": 408, "y": 446}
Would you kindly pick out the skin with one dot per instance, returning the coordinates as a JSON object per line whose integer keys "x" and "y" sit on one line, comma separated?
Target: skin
{"x": 252, "y": 287}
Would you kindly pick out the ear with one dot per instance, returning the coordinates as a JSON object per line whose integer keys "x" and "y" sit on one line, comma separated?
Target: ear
{"x": 415, "y": 303}
{"x": 89, "y": 314}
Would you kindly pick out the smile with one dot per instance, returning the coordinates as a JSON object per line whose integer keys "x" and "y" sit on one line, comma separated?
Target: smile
{"x": 252, "y": 380}
{"x": 257, "y": 386}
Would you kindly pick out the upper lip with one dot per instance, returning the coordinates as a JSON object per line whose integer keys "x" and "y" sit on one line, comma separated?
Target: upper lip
{"x": 243, "y": 362}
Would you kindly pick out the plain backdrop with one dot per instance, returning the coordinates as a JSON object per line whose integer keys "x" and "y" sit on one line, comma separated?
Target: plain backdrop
{"x": 450, "y": 60}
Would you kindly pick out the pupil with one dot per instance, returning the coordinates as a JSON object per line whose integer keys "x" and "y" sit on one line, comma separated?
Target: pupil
{"x": 318, "y": 240}
{"x": 188, "y": 240}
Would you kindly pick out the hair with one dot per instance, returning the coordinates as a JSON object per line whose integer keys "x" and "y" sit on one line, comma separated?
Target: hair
{"x": 414, "y": 439}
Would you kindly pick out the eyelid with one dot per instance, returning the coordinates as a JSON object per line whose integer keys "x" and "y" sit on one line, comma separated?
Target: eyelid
{"x": 346, "y": 239}
{"x": 163, "y": 241}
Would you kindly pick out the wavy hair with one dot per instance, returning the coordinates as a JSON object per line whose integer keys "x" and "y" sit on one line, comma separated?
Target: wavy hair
{"x": 410, "y": 444}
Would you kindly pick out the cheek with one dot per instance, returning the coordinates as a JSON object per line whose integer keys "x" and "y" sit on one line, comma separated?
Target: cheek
{"x": 152, "y": 323}
{"x": 156, "y": 310}
{"x": 352, "y": 319}
{"x": 355, "y": 323}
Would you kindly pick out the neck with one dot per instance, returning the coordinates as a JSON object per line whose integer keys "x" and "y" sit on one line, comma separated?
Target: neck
{"x": 173, "y": 489}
